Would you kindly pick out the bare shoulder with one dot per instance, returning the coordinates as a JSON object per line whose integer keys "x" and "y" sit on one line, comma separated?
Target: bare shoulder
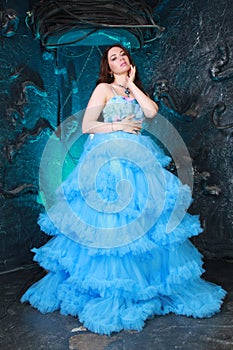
{"x": 100, "y": 95}
{"x": 103, "y": 92}
{"x": 103, "y": 87}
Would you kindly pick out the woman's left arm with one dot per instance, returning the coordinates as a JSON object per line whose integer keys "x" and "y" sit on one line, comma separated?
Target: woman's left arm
{"x": 149, "y": 107}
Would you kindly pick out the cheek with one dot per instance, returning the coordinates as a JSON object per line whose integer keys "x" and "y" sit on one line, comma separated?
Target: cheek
{"x": 112, "y": 66}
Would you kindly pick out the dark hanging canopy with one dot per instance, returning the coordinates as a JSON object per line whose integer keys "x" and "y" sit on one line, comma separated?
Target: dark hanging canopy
{"x": 63, "y": 23}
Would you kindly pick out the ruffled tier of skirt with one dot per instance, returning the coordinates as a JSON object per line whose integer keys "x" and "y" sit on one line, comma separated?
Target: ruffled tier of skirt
{"x": 115, "y": 268}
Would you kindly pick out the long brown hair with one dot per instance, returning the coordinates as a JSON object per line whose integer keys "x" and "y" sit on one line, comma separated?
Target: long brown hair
{"x": 105, "y": 75}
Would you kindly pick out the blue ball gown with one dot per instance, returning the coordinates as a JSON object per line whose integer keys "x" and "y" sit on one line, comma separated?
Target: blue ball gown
{"x": 111, "y": 261}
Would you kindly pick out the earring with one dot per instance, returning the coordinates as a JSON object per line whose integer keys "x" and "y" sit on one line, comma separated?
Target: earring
{"x": 111, "y": 75}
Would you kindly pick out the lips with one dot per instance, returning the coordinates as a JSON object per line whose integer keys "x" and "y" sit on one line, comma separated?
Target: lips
{"x": 123, "y": 64}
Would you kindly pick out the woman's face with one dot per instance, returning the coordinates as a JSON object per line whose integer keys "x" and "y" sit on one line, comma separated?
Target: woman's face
{"x": 118, "y": 60}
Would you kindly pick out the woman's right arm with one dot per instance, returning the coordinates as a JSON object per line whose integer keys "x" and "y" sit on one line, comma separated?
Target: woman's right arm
{"x": 98, "y": 100}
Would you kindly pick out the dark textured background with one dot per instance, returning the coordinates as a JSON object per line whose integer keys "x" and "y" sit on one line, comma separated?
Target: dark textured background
{"x": 188, "y": 70}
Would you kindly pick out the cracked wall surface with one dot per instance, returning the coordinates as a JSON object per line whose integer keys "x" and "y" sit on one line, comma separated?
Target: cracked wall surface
{"x": 187, "y": 70}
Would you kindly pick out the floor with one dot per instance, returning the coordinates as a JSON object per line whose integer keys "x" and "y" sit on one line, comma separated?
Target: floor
{"x": 24, "y": 328}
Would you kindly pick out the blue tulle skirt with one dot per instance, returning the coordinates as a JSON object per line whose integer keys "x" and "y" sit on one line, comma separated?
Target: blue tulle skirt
{"x": 120, "y": 250}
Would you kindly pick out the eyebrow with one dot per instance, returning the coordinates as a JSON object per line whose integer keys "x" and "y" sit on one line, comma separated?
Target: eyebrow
{"x": 114, "y": 54}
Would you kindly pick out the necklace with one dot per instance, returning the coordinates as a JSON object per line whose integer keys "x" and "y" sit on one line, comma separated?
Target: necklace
{"x": 127, "y": 90}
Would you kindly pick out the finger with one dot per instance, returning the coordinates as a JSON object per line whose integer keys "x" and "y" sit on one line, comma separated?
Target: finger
{"x": 138, "y": 125}
{"x": 133, "y": 68}
{"x": 129, "y": 117}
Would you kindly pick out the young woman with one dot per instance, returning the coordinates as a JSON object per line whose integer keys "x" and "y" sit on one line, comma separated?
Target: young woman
{"x": 112, "y": 262}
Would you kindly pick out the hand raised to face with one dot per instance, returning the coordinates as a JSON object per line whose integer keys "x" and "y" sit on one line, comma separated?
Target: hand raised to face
{"x": 131, "y": 73}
